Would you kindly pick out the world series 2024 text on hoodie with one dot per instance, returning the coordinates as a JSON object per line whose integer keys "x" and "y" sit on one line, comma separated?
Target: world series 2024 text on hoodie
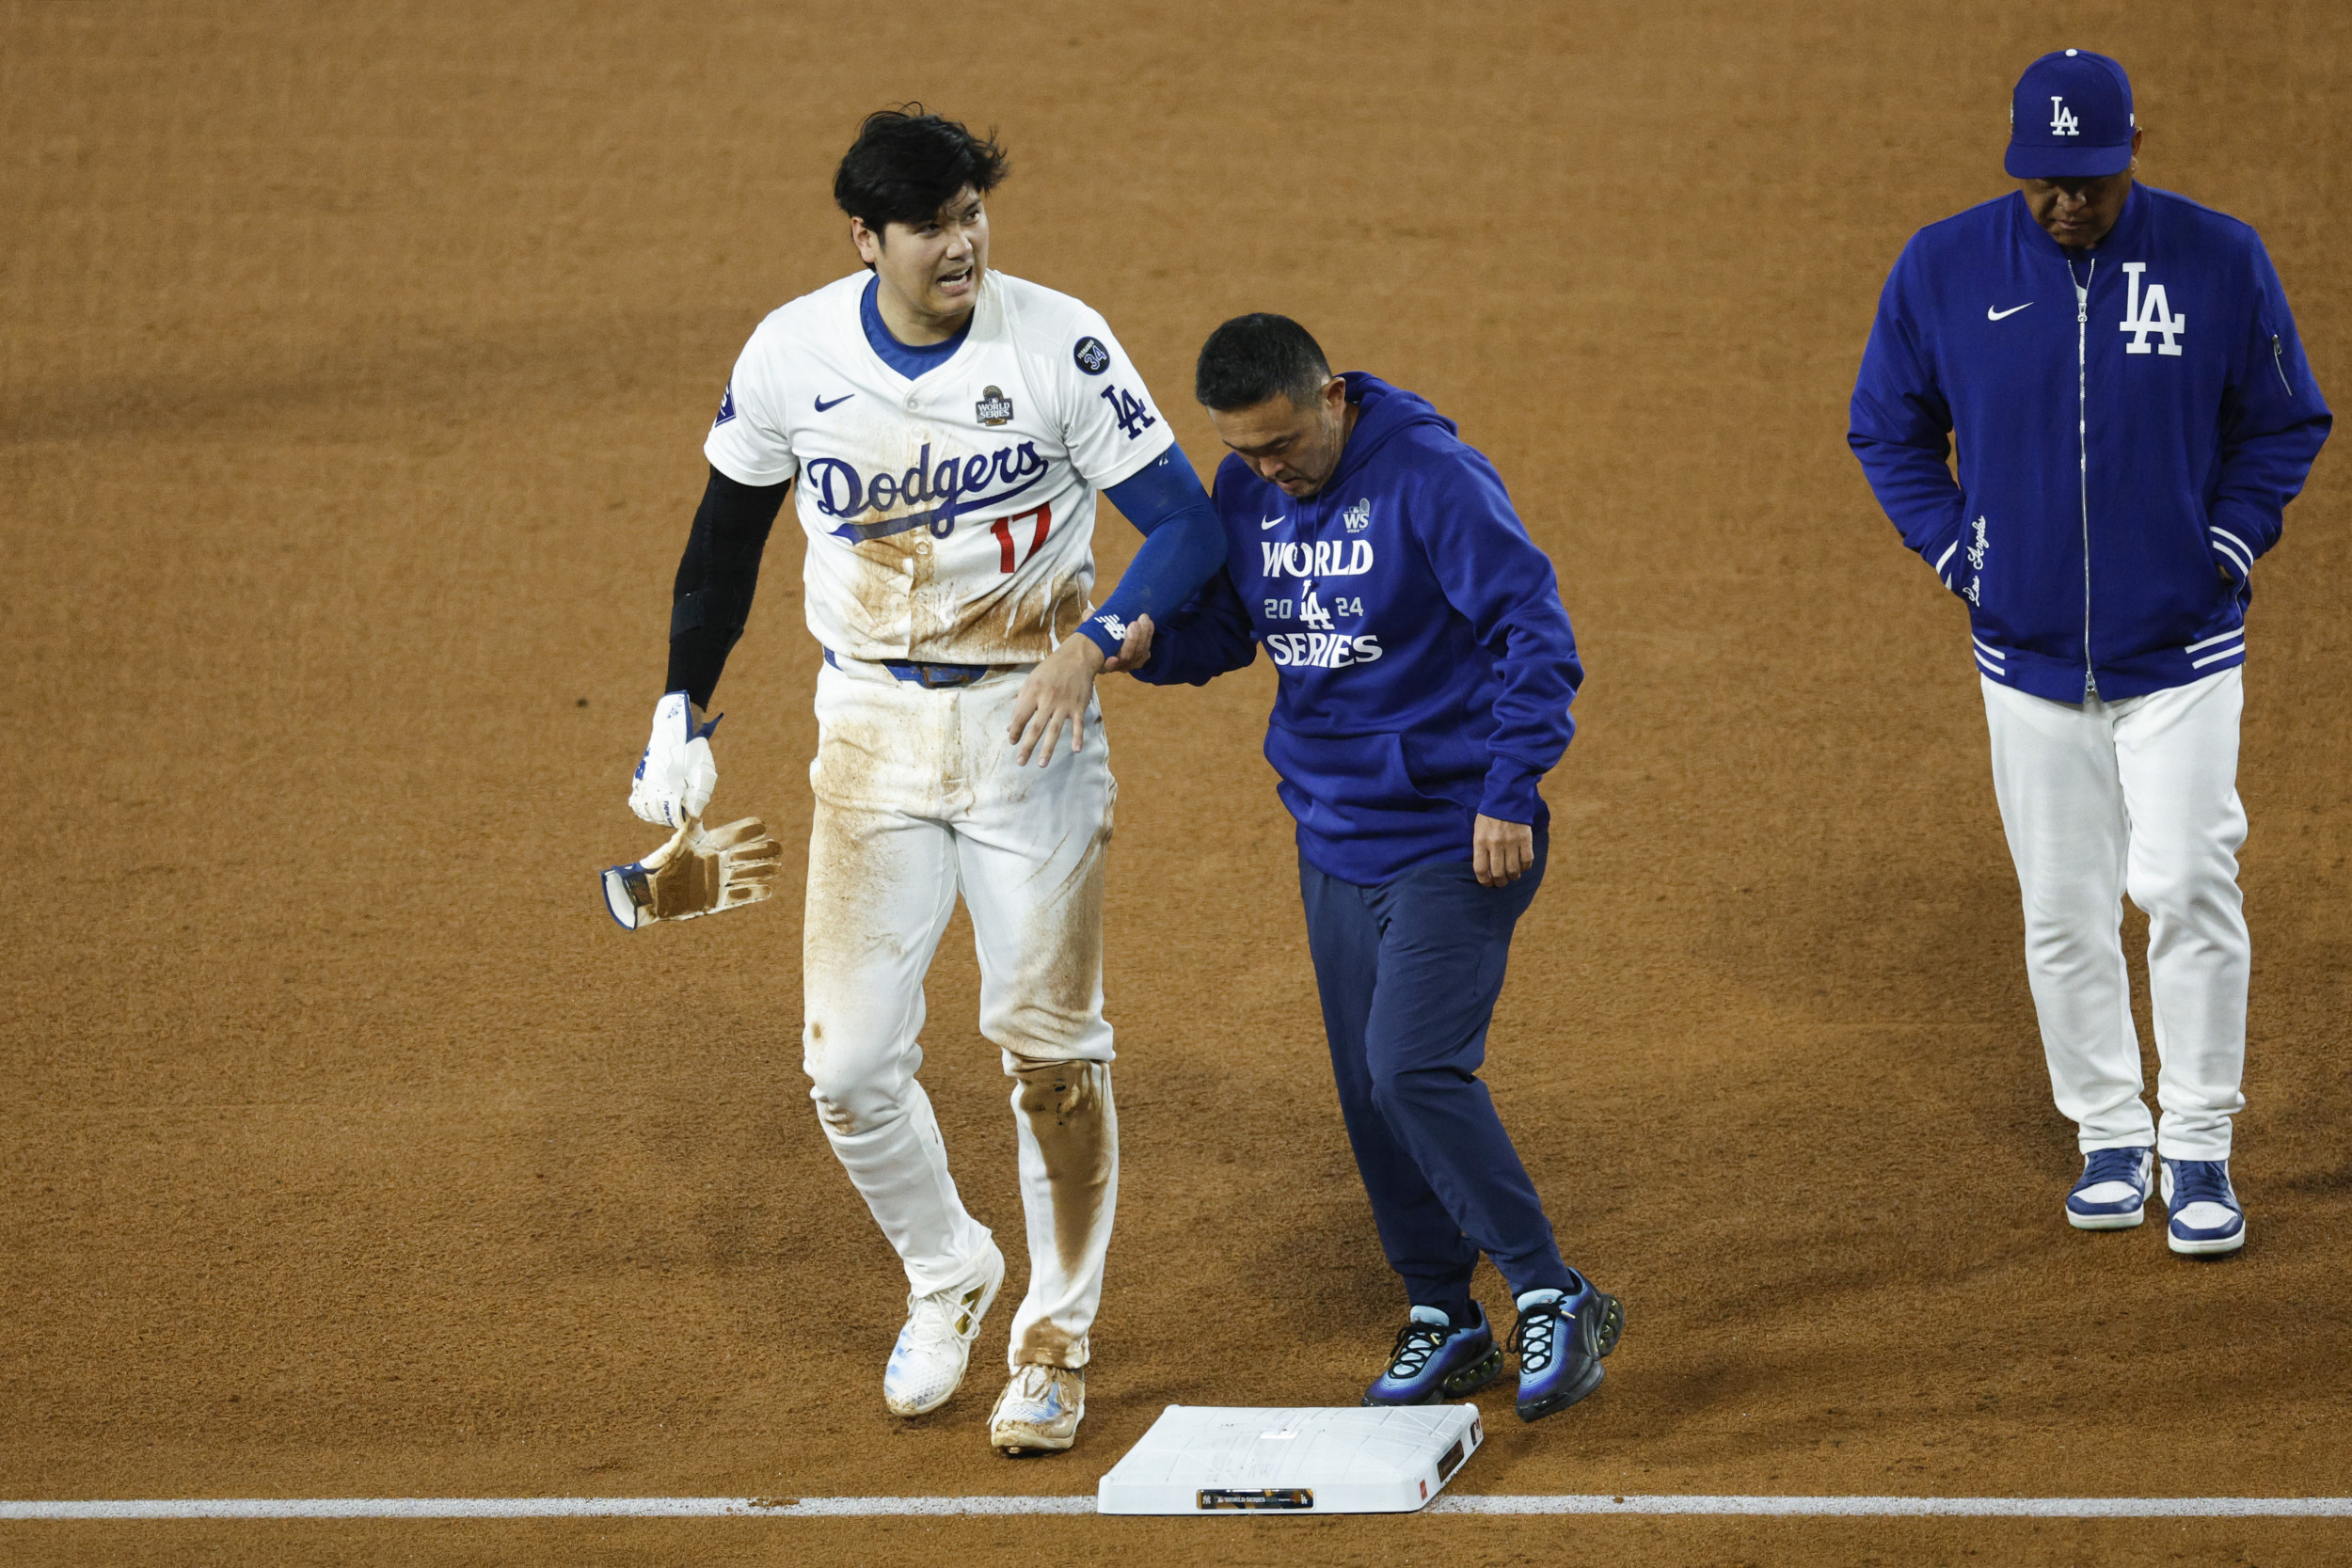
{"x": 1426, "y": 663}
{"x": 2132, "y": 424}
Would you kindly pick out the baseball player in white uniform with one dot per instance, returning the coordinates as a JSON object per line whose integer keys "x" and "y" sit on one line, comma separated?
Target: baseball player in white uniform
{"x": 945, "y": 430}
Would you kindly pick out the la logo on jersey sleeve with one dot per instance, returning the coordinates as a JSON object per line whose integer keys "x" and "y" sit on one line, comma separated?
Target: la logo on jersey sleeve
{"x": 726, "y": 407}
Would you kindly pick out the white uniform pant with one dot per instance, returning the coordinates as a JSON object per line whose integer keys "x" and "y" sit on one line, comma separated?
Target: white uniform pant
{"x": 2140, "y": 797}
{"x": 918, "y": 798}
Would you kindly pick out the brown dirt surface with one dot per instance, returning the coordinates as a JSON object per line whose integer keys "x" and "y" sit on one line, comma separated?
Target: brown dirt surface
{"x": 354, "y": 362}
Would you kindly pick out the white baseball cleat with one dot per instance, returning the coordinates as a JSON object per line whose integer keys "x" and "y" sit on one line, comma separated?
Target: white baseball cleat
{"x": 1038, "y": 1411}
{"x": 927, "y": 1362}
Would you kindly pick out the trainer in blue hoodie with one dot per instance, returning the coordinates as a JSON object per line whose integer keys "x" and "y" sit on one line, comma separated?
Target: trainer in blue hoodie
{"x": 2134, "y": 414}
{"x": 1426, "y": 669}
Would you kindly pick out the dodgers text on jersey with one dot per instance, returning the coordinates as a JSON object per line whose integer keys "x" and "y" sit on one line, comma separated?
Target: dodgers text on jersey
{"x": 954, "y": 482}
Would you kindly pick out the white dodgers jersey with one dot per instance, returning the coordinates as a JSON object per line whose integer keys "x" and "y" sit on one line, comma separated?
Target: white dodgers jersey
{"x": 950, "y": 518}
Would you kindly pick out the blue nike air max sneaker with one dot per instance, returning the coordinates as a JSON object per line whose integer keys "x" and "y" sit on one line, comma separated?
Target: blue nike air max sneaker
{"x": 1560, "y": 1339}
{"x": 2113, "y": 1192}
{"x": 1434, "y": 1360}
{"x": 2207, "y": 1217}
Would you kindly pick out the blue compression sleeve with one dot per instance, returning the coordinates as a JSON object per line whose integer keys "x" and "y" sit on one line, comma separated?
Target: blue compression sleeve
{"x": 1184, "y": 545}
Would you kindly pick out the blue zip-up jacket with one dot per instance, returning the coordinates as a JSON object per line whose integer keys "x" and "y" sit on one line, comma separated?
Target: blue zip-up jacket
{"x": 1426, "y": 661}
{"x": 2132, "y": 424}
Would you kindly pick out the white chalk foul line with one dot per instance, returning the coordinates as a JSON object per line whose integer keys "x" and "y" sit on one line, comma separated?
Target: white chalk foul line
{"x": 856, "y": 1508}
{"x": 537, "y": 1507}
{"x": 1948, "y": 1508}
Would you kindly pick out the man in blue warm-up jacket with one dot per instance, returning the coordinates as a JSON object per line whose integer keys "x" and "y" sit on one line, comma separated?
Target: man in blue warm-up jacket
{"x": 2134, "y": 413}
{"x": 1426, "y": 669}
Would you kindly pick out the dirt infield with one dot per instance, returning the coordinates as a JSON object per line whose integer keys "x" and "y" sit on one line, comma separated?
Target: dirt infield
{"x": 354, "y": 363}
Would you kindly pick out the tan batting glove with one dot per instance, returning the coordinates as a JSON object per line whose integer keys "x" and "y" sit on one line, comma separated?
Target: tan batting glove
{"x": 695, "y": 872}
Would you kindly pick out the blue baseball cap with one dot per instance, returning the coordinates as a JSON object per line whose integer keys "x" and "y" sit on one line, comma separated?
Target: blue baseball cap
{"x": 2071, "y": 118}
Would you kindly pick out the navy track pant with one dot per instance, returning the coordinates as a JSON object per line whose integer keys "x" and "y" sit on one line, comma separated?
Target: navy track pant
{"x": 1409, "y": 971}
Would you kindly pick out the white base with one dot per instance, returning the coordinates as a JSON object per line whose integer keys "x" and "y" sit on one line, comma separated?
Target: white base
{"x": 1201, "y": 1459}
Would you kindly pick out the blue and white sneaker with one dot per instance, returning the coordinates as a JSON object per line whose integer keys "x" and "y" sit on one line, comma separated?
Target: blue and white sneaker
{"x": 1434, "y": 1360}
{"x": 2113, "y": 1192}
{"x": 1560, "y": 1339}
{"x": 2207, "y": 1217}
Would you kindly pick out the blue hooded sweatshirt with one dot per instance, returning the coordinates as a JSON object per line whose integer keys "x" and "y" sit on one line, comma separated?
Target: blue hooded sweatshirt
{"x": 1426, "y": 663}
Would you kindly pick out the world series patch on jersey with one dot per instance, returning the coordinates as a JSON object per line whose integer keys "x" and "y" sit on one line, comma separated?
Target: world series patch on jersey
{"x": 950, "y": 518}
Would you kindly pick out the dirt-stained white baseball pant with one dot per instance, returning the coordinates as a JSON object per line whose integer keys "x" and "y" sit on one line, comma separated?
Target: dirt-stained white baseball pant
{"x": 919, "y": 798}
{"x": 2139, "y": 796}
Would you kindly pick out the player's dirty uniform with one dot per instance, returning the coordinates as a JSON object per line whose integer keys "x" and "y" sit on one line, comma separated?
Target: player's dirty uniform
{"x": 948, "y": 498}
{"x": 2133, "y": 420}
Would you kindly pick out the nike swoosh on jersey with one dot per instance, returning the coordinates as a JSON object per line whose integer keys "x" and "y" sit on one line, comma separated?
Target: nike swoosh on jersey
{"x": 823, "y": 406}
{"x": 1265, "y": 523}
{"x": 1993, "y": 315}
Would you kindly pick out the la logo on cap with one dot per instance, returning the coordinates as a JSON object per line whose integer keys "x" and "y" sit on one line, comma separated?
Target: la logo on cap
{"x": 2070, "y": 118}
{"x": 2061, "y": 122}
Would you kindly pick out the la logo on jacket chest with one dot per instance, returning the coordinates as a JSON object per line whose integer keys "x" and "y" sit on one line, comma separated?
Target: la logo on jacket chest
{"x": 2150, "y": 314}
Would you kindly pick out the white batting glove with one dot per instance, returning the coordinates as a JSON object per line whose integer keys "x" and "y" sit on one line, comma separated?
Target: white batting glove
{"x": 678, "y": 773}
